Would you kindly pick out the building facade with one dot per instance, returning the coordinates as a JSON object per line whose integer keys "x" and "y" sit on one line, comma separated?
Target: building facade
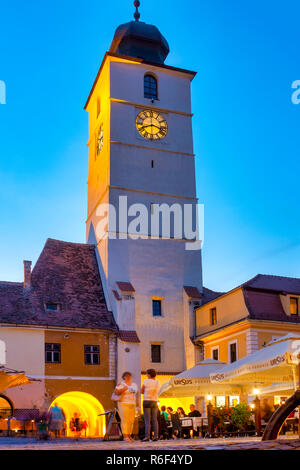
{"x": 142, "y": 163}
{"x": 232, "y": 325}
{"x": 56, "y": 327}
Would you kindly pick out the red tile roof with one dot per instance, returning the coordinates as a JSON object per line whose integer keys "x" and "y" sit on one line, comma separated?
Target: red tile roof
{"x": 262, "y": 297}
{"x": 130, "y": 336}
{"x": 264, "y": 305}
{"x": 290, "y": 285}
{"x": 208, "y": 295}
{"x": 66, "y": 274}
{"x": 125, "y": 286}
{"x": 192, "y": 292}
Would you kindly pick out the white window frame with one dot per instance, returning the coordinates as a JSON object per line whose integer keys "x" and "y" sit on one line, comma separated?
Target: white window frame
{"x": 214, "y": 348}
{"x": 237, "y": 350}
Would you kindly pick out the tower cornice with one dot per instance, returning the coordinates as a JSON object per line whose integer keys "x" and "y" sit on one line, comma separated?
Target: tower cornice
{"x": 113, "y": 55}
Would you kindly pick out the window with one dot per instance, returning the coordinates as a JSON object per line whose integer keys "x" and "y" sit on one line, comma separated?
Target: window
{"x": 213, "y": 316}
{"x": 220, "y": 401}
{"x": 52, "y": 307}
{"x": 234, "y": 400}
{"x": 215, "y": 353}
{"x": 98, "y": 106}
{"x": 52, "y": 353}
{"x": 156, "y": 308}
{"x": 155, "y": 352}
{"x": 233, "y": 352}
{"x": 150, "y": 87}
{"x": 293, "y": 306}
{"x": 91, "y": 354}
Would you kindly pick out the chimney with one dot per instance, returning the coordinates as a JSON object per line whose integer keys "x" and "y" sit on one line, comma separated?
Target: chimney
{"x": 27, "y": 274}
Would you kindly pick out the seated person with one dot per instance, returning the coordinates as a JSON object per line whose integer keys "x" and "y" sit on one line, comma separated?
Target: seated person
{"x": 175, "y": 430}
{"x": 194, "y": 414}
{"x": 181, "y": 412}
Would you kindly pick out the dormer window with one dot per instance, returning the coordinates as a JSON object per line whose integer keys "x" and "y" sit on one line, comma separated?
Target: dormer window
{"x": 52, "y": 307}
{"x": 294, "y": 306}
{"x": 150, "y": 87}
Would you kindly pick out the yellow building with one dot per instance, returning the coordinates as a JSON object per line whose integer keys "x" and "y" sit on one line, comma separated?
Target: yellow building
{"x": 57, "y": 328}
{"x": 231, "y": 325}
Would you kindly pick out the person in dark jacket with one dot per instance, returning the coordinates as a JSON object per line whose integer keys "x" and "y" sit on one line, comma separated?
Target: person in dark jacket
{"x": 194, "y": 414}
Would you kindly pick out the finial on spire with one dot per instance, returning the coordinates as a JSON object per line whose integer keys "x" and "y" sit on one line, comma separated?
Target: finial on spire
{"x": 136, "y": 13}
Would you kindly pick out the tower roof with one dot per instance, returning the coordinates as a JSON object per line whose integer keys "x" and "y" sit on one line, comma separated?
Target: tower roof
{"x": 141, "y": 40}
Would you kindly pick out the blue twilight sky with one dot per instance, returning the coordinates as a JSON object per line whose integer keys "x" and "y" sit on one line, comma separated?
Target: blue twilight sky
{"x": 246, "y": 129}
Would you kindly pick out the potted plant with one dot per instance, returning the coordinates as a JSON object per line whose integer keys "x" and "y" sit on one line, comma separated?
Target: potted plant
{"x": 240, "y": 416}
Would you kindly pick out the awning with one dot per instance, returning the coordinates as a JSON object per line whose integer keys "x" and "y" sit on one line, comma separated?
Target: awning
{"x": 11, "y": 378}
{"x": 283, "y": 388}
{"x": 196, "y": 382}
{"x": 274, "y": 363}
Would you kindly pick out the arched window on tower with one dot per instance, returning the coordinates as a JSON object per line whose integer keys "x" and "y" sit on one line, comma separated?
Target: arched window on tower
{"x": 150, "y": 86}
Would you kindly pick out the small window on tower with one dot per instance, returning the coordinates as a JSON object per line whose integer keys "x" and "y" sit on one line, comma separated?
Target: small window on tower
{"x": 156, "y": 353}
{"x": 156, "y": 308}
{"x": 98, "y": 106}
{"x": 150, "y": 87}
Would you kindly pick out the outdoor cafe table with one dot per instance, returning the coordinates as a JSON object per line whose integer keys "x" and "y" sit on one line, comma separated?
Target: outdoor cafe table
{"x": 193, "y": 423}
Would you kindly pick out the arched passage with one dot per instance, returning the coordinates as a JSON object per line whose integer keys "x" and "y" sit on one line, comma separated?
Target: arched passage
{"x": 87, "y": 406}
{"x": 278, "y": 418}
{"x": 6, "y": 407}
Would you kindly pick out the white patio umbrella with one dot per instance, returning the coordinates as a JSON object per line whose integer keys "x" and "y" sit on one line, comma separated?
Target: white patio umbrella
{"x": 283, "y": 388}
{"x": 277, "y": 362}
{"x": 196, "y": 382}
{"x": 11, "y": 378}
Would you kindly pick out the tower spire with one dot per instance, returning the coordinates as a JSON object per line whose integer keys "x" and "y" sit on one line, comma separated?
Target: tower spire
{"x": 136, "y": 13}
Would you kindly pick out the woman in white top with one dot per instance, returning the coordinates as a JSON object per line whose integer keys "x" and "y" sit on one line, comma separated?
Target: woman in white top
{"x": 150, "y": 390}
{"x": 127, "y": 390}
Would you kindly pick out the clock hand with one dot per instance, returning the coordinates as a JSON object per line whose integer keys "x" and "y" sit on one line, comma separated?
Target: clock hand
{"x": 149, "y": 125}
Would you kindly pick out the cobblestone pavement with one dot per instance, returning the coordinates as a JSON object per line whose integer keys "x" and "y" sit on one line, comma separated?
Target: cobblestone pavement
{"x": 247, "y": 443}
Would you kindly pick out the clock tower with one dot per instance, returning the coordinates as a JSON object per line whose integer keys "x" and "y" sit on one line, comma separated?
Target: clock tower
{"x": 141, "y": 186}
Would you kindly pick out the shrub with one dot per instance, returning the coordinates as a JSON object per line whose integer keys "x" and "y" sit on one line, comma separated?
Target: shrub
{"x": 240, "y": 415}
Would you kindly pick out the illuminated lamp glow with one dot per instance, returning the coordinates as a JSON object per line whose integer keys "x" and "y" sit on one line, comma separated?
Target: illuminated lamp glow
{"x": 87, "y": 406}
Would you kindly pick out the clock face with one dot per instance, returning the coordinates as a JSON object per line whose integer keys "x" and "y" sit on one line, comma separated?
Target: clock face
{"x": 100, "y": 140}
{"x": 151, "y": 125}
